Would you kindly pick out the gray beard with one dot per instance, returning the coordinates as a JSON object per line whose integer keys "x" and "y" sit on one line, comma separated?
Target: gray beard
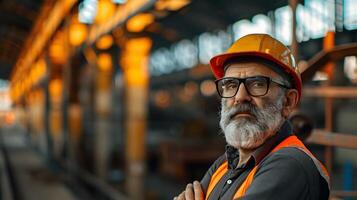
{"x": 250, "y": 133}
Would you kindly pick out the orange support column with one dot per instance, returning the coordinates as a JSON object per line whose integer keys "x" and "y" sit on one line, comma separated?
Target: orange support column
{"x": 294, "y": 44}
{"x": 55, "y": 115}
{"x": 103, "y": 103}
{"x": 135, "y": 67}
{"x": 329, "y": 43}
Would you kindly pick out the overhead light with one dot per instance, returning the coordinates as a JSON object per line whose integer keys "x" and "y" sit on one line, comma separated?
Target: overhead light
{"x": 105, "y": 11}
{"x": 162, "y": 98}
{"x": 139, "y": 22}
{"x": 77, "y": 34}
{"x": 104, "y": 62}
{"x": 57, "y": 51}
{"x": 208, "y": 88}
{"x": 105, "y": 42}
{"x": 190, "y": 88}
{"x": 55, "y": 88}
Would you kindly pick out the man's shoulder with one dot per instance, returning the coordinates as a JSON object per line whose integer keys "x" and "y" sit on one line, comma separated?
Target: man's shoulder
{"x": 293, "y": 162}
{"x": 291, "y": 156}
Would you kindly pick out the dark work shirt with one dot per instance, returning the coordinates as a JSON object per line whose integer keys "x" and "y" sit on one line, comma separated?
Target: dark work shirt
{"x": 286, "y": 174}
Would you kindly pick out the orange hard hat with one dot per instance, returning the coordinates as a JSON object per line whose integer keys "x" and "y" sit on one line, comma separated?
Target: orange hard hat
{"x": 262, "y": 46}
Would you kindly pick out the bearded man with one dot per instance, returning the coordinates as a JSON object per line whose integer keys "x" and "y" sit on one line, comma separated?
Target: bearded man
{"x": 260, "y": 86}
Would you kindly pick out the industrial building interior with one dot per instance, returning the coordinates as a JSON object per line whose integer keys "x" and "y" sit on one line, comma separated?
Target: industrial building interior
{"x": 115, "y": 99}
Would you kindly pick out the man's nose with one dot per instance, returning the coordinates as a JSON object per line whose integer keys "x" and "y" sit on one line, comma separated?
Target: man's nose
{"x": 242, "y": 95}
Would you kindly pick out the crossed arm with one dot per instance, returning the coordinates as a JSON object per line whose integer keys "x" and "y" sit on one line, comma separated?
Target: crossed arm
{"x": 193, "y": 191}
{"x": 282, "y": 176}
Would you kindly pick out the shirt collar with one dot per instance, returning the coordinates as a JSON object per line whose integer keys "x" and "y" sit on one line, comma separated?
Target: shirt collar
{"x": 232, "y": 154}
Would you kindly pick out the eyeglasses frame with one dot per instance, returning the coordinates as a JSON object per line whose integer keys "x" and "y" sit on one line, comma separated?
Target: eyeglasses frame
{"x": 242, "y": 80}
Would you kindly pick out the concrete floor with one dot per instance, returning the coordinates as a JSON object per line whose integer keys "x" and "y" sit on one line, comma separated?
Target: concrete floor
{"x": 33, "y": 179}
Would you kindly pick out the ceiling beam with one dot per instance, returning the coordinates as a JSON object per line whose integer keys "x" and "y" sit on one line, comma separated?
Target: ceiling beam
{"x": 122, "y": 14}
{"x": 323, "y": 57}
{"x": 50, "y": 19}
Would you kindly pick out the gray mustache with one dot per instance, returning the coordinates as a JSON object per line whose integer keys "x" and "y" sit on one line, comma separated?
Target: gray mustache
{"x": 247, "y": 107}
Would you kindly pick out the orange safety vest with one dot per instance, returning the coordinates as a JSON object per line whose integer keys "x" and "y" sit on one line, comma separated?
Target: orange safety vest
{"x": 291, "y": 141}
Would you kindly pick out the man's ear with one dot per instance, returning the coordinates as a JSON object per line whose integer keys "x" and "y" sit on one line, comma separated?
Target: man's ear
{"x": 290, "y": 102}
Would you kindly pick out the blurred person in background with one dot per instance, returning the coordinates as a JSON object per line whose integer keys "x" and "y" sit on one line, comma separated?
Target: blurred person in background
{"x": 260, "y": 86}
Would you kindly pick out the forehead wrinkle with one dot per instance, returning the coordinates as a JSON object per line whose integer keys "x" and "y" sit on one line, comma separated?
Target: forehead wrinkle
{"x": 247, "y": 69}
{"x": 237, "y": 75}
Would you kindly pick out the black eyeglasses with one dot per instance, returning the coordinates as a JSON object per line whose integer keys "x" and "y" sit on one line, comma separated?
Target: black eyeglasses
{"x": 256, "y": 86}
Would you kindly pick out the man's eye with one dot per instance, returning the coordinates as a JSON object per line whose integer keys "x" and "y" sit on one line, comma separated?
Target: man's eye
{"x": 230, "y": 85}
{"x": 257, "y": 84}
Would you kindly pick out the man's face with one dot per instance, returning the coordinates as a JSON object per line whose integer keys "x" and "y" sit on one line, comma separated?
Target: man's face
{"x": 248, "y": 121}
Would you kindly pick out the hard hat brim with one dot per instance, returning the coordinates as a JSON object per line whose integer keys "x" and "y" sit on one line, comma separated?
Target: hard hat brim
{"x": 218, "y": 62}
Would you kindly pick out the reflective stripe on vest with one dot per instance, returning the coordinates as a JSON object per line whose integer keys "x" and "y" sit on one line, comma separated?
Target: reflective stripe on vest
{"x": 291, "y": 141}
